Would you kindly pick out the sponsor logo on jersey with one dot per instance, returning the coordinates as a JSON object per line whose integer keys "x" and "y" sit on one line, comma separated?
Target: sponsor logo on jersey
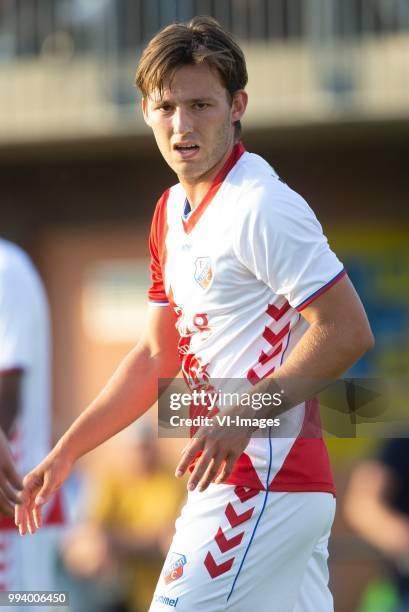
{"x": 203, "y": 272}
{"x": 175, "y": 568}
{"x": 167, "y": 601}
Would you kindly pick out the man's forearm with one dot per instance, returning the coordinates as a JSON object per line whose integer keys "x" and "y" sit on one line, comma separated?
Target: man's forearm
{"x": 10, "y": 390}
{"x": 128, "y": 394}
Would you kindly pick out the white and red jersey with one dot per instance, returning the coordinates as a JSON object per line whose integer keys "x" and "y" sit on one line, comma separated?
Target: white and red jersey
{"x": 238, "y": 271}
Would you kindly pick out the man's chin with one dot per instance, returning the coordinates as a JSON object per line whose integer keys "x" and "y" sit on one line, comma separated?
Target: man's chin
{"x": 187, "y": 171}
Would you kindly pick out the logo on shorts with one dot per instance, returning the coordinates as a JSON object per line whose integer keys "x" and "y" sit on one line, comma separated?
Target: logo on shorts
{"x": 167, "y": 601}
{"x": 175, "y": 569}
{"x": 203, "y": 272}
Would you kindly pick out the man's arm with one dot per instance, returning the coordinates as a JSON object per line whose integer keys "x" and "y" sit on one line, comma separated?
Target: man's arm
{"x": 131, "y": 390}
{"x": 10, "y": 385}
{"x": 10, "y": 392}
{"x": 10, "y": 481}
{"x": 339, "y": 334}
{"x": 128, "y": 394}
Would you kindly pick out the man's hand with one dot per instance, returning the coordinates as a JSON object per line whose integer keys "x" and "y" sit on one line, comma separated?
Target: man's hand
{"x": 10, "y": 481}
{"x": 220, "y": 446}
{"x": 39, "y": 485}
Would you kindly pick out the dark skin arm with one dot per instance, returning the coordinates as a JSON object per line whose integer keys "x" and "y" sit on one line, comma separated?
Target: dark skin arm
{"x": 10, "y": 482}
{"x": 10, "y": 390}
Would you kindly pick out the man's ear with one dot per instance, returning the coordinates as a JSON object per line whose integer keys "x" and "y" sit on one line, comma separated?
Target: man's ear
{"x": 144, "y": 105}
{"x": 239, "y": 105}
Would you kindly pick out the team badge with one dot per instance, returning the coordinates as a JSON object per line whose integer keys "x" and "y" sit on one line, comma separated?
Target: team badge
{"x": 175, "y": 568}
{"x": 203, "y": 272}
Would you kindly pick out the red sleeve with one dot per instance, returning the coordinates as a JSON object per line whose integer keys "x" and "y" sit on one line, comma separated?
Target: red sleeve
{"x": 157, "y": 247}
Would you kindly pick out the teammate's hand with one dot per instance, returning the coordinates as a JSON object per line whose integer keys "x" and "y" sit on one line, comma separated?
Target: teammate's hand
{"x": 39, "y": 486}
{"x": 220, "y": 447}
{"x": 10, "y": 481}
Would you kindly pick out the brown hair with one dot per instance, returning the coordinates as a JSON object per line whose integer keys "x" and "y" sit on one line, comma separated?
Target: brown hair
{"x": 200, "y": 40}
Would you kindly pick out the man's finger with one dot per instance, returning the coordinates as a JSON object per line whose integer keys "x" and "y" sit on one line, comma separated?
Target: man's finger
{"x": 210, "y": 473}
{"x": 199, "y": 469}
{"x": 20, "y": 518}
{"x": 45, "y": 492}
{"x": 19, "y": 514}
{"x": 37, "y": 516}
{"x": 194, "y": 447}
{"x": 31, "y": 523}
{"x": 226, "y": 469}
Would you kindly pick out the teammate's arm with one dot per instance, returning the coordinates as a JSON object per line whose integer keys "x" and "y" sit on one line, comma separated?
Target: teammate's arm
{"x": 10, "y": 481}
{"x": 127, "y": 395}
{"x": 10, "y": 392}
{"x": 339, "y": 334}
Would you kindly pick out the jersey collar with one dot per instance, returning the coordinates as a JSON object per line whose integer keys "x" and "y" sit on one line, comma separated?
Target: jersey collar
{"x": 189, "y": 224}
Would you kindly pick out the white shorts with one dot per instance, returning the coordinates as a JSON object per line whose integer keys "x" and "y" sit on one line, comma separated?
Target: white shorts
{"x": 241, "y": 549}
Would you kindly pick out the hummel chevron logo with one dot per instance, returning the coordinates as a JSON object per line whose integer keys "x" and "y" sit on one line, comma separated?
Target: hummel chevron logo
{"x": 224, "y": 544}
{"x": 236, "y": 519}
{"x": 244, "y": 493}
{"x": 215, "y": 569}
{"x": 264, "y": 358}
{"x": 277, "y": 313}
{"x": 253, "y": 378}
{"x": 273, "y": 338}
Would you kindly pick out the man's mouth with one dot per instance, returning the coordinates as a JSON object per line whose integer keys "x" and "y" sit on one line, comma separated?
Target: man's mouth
{"x": 186, "y": 152}
{"x": 185, "y": 147}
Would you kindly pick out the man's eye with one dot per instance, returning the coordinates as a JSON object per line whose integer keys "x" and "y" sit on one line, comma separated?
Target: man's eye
{"x": 165, "y": 108}
{"x": 200, "y": 105}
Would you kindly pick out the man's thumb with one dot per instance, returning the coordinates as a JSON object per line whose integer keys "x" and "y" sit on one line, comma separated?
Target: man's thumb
{"x": 44, "y": 493}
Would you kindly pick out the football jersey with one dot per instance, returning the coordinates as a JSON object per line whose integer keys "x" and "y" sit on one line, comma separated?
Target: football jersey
{"x": 238, "y": 271}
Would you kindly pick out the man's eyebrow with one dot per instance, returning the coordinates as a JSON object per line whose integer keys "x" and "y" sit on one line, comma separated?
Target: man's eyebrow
{"x": 202, "y": 99}
{"x": 166, "y": 100}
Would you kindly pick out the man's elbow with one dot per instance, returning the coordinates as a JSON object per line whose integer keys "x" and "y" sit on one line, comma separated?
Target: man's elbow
{"x": 370, "y": 340}
{"x": 362, "y": 340}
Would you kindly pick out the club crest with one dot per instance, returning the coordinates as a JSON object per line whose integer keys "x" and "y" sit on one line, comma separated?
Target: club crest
{"x": 174, "y": 570}
{"x": 203, "y": 272}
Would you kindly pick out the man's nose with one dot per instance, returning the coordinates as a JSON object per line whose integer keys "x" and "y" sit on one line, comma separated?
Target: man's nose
{"x": 182, "y": 123}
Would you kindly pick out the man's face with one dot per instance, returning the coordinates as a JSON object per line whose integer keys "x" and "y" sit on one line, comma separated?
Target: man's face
{"x": 193, "y": 121}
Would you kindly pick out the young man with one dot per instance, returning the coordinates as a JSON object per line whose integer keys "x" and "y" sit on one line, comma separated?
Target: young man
{"x": 240, "y": 264}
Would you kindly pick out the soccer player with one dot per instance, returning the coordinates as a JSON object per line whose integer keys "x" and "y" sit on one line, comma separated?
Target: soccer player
{"x": 244, "y": 286}
{"x": 24, "y": 413}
